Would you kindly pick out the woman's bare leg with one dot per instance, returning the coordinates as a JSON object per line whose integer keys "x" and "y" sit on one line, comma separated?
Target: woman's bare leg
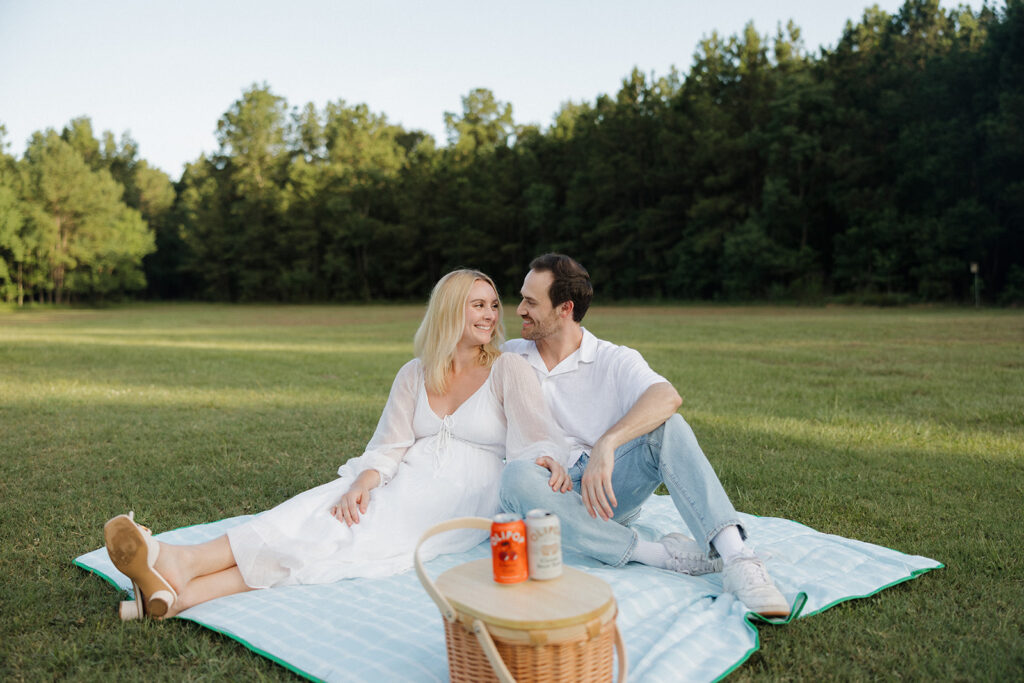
{"x": 207, "y": 587}
{"x": 181, "y": 564}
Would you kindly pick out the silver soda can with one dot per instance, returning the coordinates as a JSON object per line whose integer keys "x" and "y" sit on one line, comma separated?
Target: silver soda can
{"x": 543, "y": 544}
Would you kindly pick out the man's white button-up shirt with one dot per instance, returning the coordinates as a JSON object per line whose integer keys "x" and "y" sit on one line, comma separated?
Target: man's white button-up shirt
{"x": 591, "y": 389}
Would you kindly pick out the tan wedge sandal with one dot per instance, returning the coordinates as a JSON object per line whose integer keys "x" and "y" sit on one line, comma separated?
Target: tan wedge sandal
{"x": 133, "y": 550}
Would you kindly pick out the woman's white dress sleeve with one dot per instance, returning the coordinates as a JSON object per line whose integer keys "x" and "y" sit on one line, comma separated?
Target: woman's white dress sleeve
{"x": 394, "y": 433}
{"x": 532, "y": 431}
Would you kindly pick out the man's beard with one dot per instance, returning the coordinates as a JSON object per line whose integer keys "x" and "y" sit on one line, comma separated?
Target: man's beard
{"x": 538, "y": 330}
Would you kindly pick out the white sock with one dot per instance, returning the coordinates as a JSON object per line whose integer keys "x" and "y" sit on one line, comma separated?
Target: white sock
{"x": 651, "y": 553}
{"x": 729, "y": 544}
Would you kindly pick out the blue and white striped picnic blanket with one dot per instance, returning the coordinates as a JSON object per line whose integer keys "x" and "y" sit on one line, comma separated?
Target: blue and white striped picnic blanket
{"x": 675, "y": 627}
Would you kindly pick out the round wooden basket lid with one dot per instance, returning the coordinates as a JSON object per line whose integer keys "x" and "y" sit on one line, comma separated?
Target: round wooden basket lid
{"x": 573, "y": 598}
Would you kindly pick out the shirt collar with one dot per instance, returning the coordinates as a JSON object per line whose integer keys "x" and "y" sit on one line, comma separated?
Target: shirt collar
{"x": 586, "y": 353}
{"x": 588, "y": 347}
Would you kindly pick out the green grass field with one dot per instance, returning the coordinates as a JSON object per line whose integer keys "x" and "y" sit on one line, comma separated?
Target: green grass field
{"x": 898, "y": 427}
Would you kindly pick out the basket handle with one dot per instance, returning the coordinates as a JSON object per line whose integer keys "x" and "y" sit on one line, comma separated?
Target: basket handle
{"x": 620, "y": 650}
{"x": 483, "y": 523}
{"x": 505, "y": 676}
{"x": 483, "y": 636}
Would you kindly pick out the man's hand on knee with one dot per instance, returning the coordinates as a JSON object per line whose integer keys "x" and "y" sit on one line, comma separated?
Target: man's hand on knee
{"x": 596, "y": 484}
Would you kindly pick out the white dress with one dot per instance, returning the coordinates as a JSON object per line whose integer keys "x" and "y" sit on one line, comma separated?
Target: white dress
{"x": 432, "y": 469}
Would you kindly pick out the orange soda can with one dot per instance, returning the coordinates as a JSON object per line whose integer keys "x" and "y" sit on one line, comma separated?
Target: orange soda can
{"x": 508, "y": 548}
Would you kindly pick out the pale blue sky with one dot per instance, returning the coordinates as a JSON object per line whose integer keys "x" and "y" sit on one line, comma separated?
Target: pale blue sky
{"x": 166, "y": 71}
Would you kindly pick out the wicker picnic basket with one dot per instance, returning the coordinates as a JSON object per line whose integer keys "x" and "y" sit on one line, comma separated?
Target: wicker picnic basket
{"x": 557, "y": 630}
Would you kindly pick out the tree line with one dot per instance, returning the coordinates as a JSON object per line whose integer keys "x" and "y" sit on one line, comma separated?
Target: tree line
{"x": 877, "y": 170}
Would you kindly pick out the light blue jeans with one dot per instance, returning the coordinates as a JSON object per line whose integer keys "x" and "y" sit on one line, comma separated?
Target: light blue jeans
{"x": 668, "y": 454}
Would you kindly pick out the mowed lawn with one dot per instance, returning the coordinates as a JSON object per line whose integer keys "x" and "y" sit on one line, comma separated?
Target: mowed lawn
{"x": 902, "y": 427}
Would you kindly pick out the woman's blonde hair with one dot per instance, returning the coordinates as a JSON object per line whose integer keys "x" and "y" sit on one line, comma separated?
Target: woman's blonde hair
{"x": 443, "y": 324}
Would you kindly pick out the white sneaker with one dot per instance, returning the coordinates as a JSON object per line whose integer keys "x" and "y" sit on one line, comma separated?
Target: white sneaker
{"x": 686, "y": 557}
{"x": 747, "y": 579}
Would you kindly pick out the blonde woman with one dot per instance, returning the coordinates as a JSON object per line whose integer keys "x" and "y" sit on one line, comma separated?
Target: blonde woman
{"x": 456, "y": 412}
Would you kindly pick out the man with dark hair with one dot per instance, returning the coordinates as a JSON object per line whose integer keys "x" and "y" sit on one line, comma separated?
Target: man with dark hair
{"x": 620, "y": 419}
{"x": 571, "y": 282}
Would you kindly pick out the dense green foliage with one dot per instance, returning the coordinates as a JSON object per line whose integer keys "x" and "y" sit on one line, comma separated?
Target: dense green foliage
{"x": 75, "y": 216}
{"x": 896, "y": 427}
{"x": 876, "y": 170}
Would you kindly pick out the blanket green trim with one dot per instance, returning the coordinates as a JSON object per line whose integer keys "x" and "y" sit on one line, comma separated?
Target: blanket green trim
{"x": 913, "y": 575}
{"x": 97, "y": 573}
{"x": 751, "y": 620}
{"x": 232, "y": 636}
{"x": 797, "y": 612}
{"x": 262, "y": 653}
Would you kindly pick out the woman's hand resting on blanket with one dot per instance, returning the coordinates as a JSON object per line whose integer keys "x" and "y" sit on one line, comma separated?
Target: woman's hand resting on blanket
{"x": 559, "y": 481}
{"x": 357, "y": 500}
